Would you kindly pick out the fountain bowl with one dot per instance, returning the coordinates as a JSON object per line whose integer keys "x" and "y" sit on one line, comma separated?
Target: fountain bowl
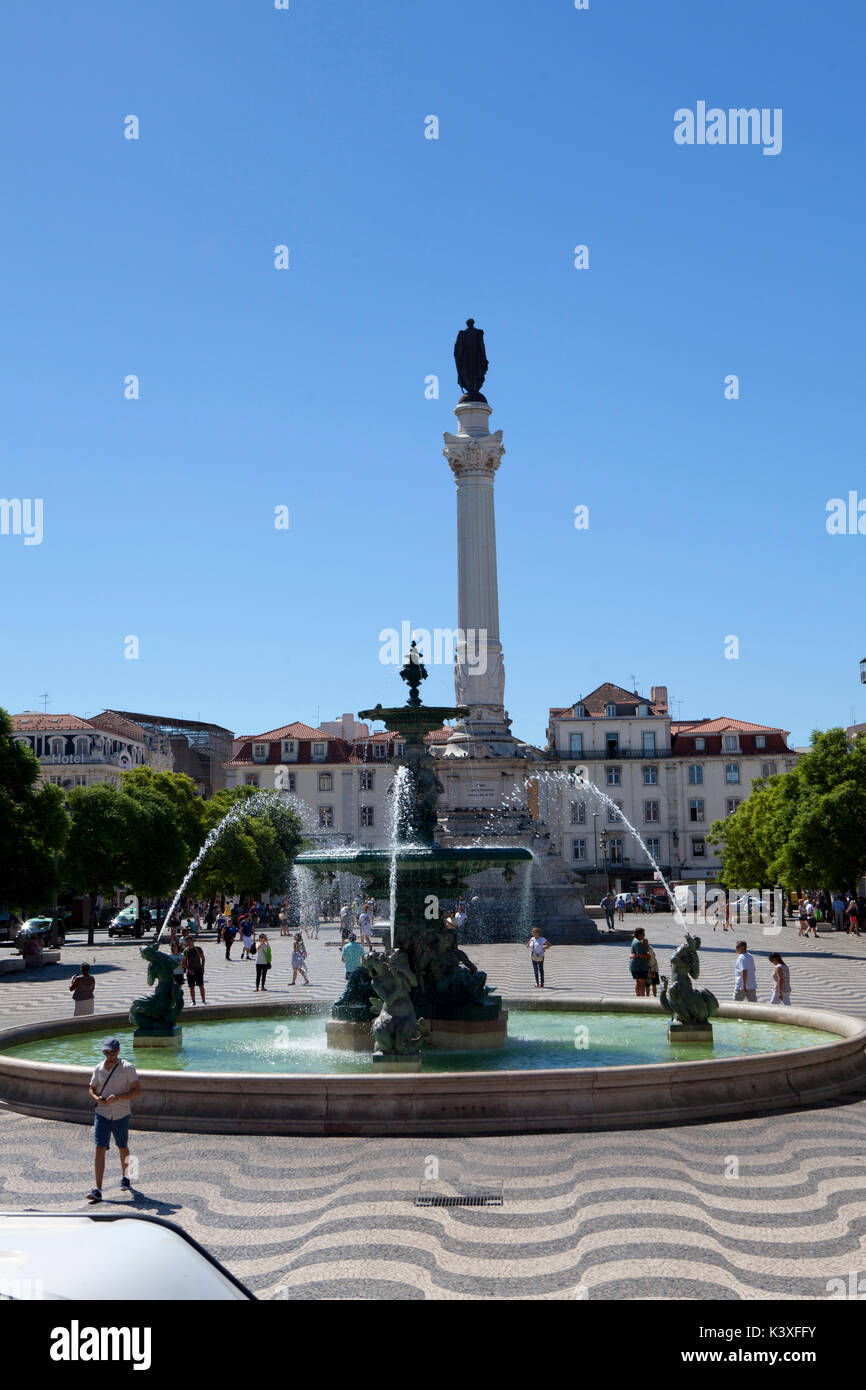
{"x": 453, "y": 1102}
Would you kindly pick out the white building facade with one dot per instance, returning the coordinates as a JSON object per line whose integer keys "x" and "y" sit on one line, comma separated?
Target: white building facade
{"x": 669, "y": 779}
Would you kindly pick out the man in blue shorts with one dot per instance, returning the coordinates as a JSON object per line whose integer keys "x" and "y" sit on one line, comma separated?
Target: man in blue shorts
{"x": 112, "y": 1086}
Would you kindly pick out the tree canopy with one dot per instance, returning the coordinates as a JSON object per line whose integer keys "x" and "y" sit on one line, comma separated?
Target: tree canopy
{"x": 33, "y": 827}
{"x": 803, "y": 828}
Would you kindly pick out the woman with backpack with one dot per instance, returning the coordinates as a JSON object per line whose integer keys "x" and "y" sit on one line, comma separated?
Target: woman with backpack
{"x": 263, "y": 961}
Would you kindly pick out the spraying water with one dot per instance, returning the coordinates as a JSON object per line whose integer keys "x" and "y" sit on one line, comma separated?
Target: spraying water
{"x": 401, "y": 792}
{"x": 578, "y": 780}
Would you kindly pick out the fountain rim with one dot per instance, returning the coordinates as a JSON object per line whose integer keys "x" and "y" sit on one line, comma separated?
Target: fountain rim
{"x": 840, "y": 1027}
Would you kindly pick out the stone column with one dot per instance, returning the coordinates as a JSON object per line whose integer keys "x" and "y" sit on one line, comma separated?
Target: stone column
{"x": 474, "y": 455}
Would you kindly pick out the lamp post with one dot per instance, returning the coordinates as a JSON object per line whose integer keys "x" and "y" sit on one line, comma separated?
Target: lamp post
{"x": 603, "y": 838}
{"x": 863, "y": 671}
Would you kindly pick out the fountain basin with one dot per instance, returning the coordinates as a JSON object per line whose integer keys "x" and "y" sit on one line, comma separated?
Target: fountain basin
{"x": 465, "y": 1098}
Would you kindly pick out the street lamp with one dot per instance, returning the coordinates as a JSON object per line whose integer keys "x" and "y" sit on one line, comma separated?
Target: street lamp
{"x": 603, "y": 838}
{"x": 863, "y": 671}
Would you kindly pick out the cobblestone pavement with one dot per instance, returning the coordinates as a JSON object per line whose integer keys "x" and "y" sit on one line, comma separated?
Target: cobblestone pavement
{"x": 633, "y": 1214}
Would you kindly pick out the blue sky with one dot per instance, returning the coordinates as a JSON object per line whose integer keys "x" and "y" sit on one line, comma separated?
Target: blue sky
{"x": 305, "y": 387}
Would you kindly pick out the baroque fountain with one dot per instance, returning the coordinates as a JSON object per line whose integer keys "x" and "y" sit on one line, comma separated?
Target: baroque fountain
{"x": 425, "y": 980}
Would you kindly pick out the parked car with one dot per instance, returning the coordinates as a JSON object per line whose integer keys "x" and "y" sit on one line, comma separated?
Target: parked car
{"x": 50, "y": 931}
{"x": 128, "y": 923}
{"x": 129, "y": 1257}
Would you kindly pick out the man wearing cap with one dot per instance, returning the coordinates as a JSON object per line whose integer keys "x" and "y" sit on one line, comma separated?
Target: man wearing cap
{"x": 112, "y": 1086}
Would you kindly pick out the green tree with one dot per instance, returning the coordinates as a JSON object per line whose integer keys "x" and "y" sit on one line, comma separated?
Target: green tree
{"x": 179, "y": 791}
{"x": 94, "y": 857}
{"x": 254, "y": 852}
{"x": 33, "y": 827}
{"x": 805, "y": 828}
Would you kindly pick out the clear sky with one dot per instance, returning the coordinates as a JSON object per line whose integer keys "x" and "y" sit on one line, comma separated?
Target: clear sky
{"x": 305, "y": 387}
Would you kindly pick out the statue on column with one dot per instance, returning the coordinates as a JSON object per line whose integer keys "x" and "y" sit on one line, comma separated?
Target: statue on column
{"x": 471, "y": 360}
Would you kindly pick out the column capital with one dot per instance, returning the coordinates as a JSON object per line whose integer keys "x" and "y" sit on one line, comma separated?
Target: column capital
{"x": 467, "y": 453}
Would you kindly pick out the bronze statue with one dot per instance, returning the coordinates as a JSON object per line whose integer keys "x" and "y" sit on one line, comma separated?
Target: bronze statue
{"x": 396, "y": 1029}
{"x": 158, "y": 1013}
{"x": 687, "y": 1004}
{"x": 471, "y": 360}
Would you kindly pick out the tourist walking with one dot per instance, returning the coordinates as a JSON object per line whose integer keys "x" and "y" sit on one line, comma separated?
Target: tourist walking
{"x": 247, "y": 938}
{"x": 608, "y": 903}
{"x": 299, "y": 959}
{"x": 839, "y": 912}
{"x": 113, "y": 1085}
{"x": 811, "y": 918}
{"x": 538, "y": 944}
{"x": 263, "y": 962}
{"x": 781, "y": 980}
{"x": 620, "y": 906}
{"x": 82, "y": 987}
{"x": 365, "y": 926}
{"x": 653, "y": 973}
{"x": 192, "y": 962}
{"x": 745, "y": 978}
{"x": 853, "y": 918}
{"x": 639, "y": 962}
{"x": 229, "y": 935}
{"x": 352, "y": 955}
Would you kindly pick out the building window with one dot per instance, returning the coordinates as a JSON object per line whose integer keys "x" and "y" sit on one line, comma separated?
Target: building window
{"x": 380, "y": 750}
{"x": 732, "y": 772}
{"x": 731, "y": 805}
{"x": 649, "y": 743}
{"x": 760, "y": 740}
{"x": 614, "y": 851}
{"x": 368, "y": 781}
{"x": 576, "y": 745}
{"x": 80, "y": 781}
{"x": 699, "y": 848}
{"x": 318, "y": 752}
{"x": 326, "y": 817}
{"x": 580, "y": 711}
{"x": 251, "y": 779}
{"x": 290, "y": 750}
{"x": 260, "y": 752}
{"x": 730, "y": 743}
{"x": 650, "y": 776}
{"x": 654, "y": 848}
{"x": 610, "y": 711}
{"x": 700, "y": 745}
{"x": 651, "y": 812}
{"x": 696, "y": 809}
{"x": 578, "y": 851}
{"x": 398, "y": 750}
{"x": 612, "y": 745}
{"x": 696, "y": 775}
{"x": 57, "y": 746}
{"x": 82, "y": 747}
{"x": 291, "y": 779}
{"x": 367, "y": 819}
{"x": 578, "y": 812}
{"x": 643, "y": 712}
{"x": 326, "y": 782}
{"x": 768, "y": 769}
{"x": 613, "y": 776}
{"x": 614, "y": 813}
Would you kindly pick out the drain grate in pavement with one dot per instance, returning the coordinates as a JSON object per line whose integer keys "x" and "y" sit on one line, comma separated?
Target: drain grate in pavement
{"x": 488, "y": 1196}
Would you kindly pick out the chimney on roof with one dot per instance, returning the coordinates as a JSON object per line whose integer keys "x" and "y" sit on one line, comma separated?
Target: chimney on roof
{"x": 659, "y": 696}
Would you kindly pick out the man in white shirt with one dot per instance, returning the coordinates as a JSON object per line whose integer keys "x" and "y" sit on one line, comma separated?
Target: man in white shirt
{"x": 112, "y": 1086}
{"x": 365, "y": 926}
{"x": 746, "y": 982}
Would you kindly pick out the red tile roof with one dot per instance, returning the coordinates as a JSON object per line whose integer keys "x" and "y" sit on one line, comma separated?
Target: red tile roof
{"x": 723, "y": 725}
{"x": 597, "y": 700}
{"x": 30, "y": 721}
{"x": 296, "y": 730}
{"x": 117, "y": 724}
